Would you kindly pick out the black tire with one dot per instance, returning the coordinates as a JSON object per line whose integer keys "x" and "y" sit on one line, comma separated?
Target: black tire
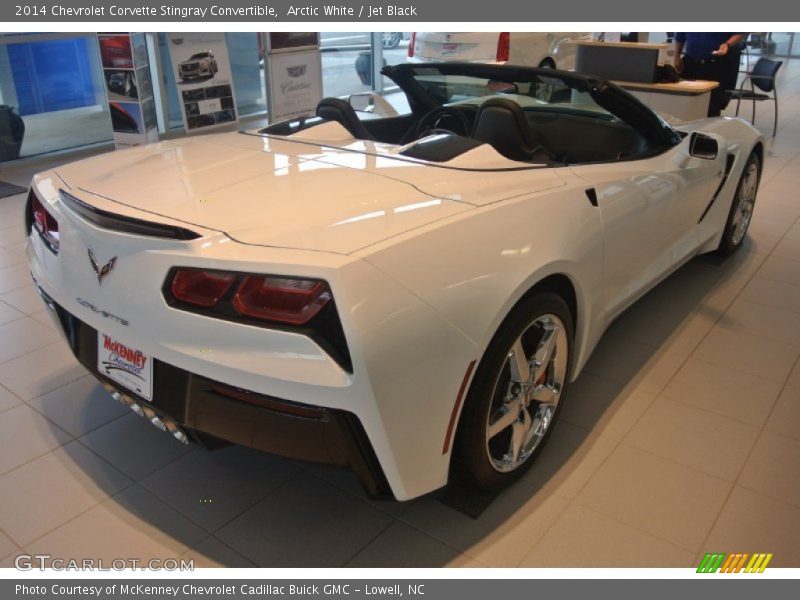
{"x": 471, "y": 462}
{"x": 547, "y": 63}
{"x": 730, "y": 241}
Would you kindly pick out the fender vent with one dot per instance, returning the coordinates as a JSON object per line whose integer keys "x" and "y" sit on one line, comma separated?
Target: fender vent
{"x": 591, "y": 194}
{"x": 115, "y": 222}
{"x": 728, "y": 167}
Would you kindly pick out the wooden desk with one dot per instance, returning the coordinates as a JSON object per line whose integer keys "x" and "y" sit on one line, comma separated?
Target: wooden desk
{"x": 686, "y": 100}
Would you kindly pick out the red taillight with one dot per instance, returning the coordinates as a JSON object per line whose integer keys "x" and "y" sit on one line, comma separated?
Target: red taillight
{"x": 44, "y": 223}
{"x": 279, "y": 299}
{"x": 503, "y": 46}
{"x": 305, "y": 306}
{"x": 291, "y": 301}
{"x": 411, "y": 43}
{"x": 201, "y": 288}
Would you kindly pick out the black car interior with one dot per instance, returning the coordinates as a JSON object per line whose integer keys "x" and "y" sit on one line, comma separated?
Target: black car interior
{"x": 521, "y": 135}
{"x": 555, "y": 132}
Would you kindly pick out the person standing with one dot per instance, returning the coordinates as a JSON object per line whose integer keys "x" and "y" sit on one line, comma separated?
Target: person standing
{"x": 712, "y": 57}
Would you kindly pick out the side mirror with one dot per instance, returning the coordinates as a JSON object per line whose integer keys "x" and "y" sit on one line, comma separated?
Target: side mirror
{"x": 703, "y": 146}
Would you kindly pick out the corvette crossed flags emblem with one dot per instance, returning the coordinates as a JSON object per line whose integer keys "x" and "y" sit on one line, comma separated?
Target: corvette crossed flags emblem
{"x": 101, "y": 272}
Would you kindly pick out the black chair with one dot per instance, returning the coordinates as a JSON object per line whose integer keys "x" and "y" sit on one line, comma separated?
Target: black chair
{"x": 336, "y": 109}
{"x": 762, "y": 77}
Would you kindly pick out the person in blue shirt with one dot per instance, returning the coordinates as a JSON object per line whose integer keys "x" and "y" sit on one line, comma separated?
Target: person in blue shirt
{"x": 712, "y": 57}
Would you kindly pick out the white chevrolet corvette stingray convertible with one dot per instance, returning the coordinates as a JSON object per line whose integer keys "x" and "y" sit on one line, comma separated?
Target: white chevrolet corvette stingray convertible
{"x": 409, "y": 295}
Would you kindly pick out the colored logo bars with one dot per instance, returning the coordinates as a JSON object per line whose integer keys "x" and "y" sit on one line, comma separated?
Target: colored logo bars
{"x": 714, "y": 562}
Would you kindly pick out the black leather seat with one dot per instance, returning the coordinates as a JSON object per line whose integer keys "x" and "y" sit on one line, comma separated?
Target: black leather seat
{"x": 501, "y": 123}
{"x": 336, "y": 109}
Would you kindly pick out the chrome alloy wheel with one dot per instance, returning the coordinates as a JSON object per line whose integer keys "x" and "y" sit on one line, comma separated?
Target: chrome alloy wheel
{"x": 527, "y": 393}
{"x": 744, "y": 203}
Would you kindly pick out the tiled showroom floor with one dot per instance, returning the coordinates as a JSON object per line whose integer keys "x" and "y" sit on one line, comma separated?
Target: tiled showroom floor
{"x": 682, "y": 436}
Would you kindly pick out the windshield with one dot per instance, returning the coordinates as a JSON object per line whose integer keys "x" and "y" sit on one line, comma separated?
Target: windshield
{"x": 537, "y": 93}
{"x": 199, "y": 55}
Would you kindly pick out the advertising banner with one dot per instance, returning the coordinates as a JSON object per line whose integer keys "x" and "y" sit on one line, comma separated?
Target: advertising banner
{"x": 295, "y": 79}
{"x": 129, "y": 88}
{"x": 294, "y": 82}
{"x": 203, "y": 75}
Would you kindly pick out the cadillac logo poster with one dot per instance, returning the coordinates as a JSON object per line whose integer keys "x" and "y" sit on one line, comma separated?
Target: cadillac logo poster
{"x": 203, "y": 77}
{"x": 129, "y": 88}
{"x": 295, "y": 77}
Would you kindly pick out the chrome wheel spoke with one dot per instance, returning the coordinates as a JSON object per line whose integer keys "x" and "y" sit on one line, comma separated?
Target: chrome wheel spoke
{"x": 519, "y": 435}
{"x": 508, "y": 414}
{"x": 752, "y": 179}
{"x": 547, "y": 393}
{"x": 520, "y": 369}
{"x": 544, "y": 353}
{"x": 540, "y": 423}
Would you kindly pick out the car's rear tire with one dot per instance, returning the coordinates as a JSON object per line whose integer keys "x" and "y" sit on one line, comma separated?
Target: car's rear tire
{"x": 510, "y": 409}
{"x": 741, "y": 207}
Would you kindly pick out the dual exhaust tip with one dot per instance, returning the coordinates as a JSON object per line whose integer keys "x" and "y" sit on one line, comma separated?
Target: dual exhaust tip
{"x": 163, "y": 423}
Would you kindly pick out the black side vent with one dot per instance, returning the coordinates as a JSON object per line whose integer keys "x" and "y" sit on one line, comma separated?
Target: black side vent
{"x": 730, "y": 159}
{"x": 114, "y": 222}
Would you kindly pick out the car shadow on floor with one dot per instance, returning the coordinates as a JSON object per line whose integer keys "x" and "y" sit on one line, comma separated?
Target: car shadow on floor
{"x": 237, "y": 507}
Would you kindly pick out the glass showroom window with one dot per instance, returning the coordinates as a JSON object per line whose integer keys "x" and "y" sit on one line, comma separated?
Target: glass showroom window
{"x": 346, "y": 62}
{"x": 52, "y": 94}
{"x": 395, "y": 51}
{"x": 247, "y": 68}
{"x": 776, "y": 44}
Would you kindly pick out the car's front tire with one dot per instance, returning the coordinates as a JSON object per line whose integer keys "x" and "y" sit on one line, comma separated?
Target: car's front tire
{"x": 742, "y": 207}
{"x": 516, "y": 393}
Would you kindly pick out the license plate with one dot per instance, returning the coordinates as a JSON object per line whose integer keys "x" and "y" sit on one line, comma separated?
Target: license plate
{"x": 450, "y": 48}
{"x": 125, "y": 365}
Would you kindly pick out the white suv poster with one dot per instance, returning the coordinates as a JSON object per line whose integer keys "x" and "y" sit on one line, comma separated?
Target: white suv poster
{"x": 203, "y": 77}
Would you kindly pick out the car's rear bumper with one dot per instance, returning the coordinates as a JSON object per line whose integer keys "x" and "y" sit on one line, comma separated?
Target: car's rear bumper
{"x": 402, "y": 397}
{"x": 197, "y": 405}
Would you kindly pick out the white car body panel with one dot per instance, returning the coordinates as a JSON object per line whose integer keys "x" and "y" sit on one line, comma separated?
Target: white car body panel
{"x": 526, "y": 48}
{"x": 424, "y": 261}
{"x": 181, "y": 181}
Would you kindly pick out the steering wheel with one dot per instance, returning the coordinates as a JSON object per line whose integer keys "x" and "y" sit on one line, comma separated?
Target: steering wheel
{"x": 431, "y": 120}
